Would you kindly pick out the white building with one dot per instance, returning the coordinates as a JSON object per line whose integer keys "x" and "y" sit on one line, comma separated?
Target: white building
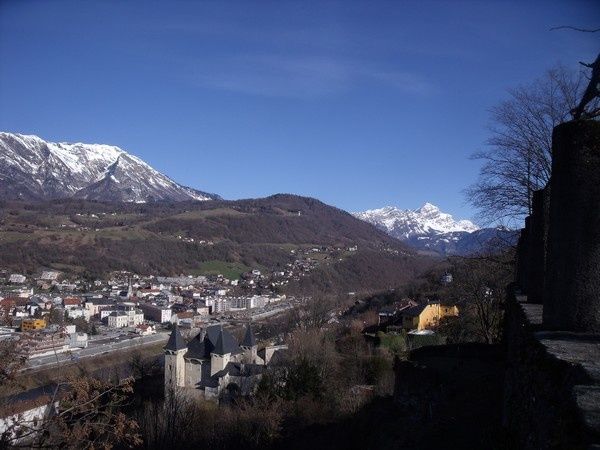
{"x": 78, "y": 340}
{"x": 160, "y": 314}
{"x": 447, "y": 278}
{"x": 118, "y": 319}
{"x": 127, "y": 318}
{"x": 49, "y": 275}
{"x": 256, "y": 301}
{"x": 202, "y": 310}
{"x": 17, "y": 278}
{"x": 23, "y": 419}
{"x": 96, "y": 305}
{"x": 104, "y": 313}
{"x": 221, "y": 305}
{"x": 79, "y": 313}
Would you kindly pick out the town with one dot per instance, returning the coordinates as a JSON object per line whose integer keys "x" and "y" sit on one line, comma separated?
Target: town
{"x": 56, "y": 315}
{"x": 52, "y": 313}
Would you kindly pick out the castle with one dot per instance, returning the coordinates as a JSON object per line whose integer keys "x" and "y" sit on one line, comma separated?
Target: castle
{"x": 213, "y": 363}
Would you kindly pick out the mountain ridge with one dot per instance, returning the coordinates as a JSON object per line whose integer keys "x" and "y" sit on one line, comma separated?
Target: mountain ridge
{"x": 430, "y": 230}
{"x": 34, "y": 169}
{"x": 405, "y": 223}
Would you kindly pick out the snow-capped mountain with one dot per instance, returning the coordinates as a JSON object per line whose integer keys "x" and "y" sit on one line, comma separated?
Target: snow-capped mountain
{"x": 431, "y": 230}
{"x": 33, "y": 169}
{"x": 406, "y": 223}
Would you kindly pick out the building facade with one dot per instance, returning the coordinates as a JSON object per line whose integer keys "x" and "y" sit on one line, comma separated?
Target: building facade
{"x": 33, "y": 324}
{"x": 213, "y": 363}
{"x": 127, "y": 318}
{"x": 422, "y": 317}
{"x": 160, "y": 314}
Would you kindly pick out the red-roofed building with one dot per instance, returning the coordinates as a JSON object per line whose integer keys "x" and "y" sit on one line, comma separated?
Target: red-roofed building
{"x": 16, "y": 301}
{"x": 71, "y": 302}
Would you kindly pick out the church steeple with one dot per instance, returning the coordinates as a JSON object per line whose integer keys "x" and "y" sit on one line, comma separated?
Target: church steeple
{"x": 129, "y": 290}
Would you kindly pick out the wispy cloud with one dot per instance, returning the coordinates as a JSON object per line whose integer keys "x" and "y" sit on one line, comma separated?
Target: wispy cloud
{"x": 303, "y": 76}
{"x": 239, "y": 50}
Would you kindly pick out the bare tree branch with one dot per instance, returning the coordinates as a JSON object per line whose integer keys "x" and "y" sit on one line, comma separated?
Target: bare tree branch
{"x": 518, "y": 157}
{"x": 569, "y": 27}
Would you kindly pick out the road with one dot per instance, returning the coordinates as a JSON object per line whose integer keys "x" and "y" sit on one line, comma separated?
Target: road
{"x": 272, "y": 312}
{"x": 95, "y": 348}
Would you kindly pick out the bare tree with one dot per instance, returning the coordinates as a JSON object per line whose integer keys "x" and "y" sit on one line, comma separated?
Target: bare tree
{"x": 518, "y": 157}
{"x": 85, "y": 413}
{"x": 314, "y": 313}
{"x": 82, "y": 411}
{"x": 479, "y": 287}
{"x": 11, "y": 361}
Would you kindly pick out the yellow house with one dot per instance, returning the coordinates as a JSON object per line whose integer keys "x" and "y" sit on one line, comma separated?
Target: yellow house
{"x": 422, "y": 317}
{"x": 32, "y": 324}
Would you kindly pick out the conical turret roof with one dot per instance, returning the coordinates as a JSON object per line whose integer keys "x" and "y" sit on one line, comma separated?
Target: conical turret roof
{"x": 176, "y": 341}
{"x": 220, "y": 347}
{"x": 249, "y": 339}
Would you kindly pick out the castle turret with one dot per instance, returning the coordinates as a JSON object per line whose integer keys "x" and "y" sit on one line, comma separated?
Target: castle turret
{"x": 221, "y": 355}
{"x": 174, "y": 361}
{"x": 249, "y": 346}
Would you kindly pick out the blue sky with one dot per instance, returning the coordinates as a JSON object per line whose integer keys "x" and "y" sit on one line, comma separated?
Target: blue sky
{"x": 360, "y": 104}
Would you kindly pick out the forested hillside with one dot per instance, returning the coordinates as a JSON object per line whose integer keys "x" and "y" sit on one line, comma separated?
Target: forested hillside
{"x": 93, "y": 238}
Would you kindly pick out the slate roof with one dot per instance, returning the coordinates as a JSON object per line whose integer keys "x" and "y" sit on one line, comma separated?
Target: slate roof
{"x": 414, "y": 311}
{"x": 228, "y": 344}
{"x": 176, "y": 341}
{"x": 249, "y": 339}
{"x": 215, "y": 340}
{"x": 220, "y": 347}
{"x": 197, "y": 348}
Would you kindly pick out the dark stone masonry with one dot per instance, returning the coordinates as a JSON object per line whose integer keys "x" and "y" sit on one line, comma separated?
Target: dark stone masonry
{"x": 537, "y": 245}
{"x": 552, "y": 327}
{"x": 573, "y": 264}
{"x": 522, "y": 275}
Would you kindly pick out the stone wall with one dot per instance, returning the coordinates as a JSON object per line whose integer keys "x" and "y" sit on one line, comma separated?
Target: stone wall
{"x": 558, "y": 256}
{"x": 552, "y": 331}
{"x": 522, "y": 270}
{"x": 572, "y": 290}
{"x": 539, "y": 222}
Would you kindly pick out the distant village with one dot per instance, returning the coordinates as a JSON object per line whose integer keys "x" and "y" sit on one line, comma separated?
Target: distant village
{"x": 53, "y": 312}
